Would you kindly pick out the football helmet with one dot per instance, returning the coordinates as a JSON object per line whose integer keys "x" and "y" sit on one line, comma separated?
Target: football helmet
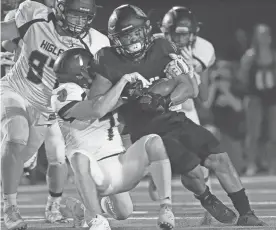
{"x": 180, "y": 26}
{"x": 129, "y": 30}
{"x": 75, "y": 65}
{"x": 75, "y": 16}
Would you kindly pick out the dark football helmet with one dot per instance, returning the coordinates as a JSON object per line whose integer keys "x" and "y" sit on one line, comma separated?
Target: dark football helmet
{"x": 129, "y": 30}
{"x": 75, "y": 16}
{"x": 75, "y": 65}
{"x": 180, "y": 26}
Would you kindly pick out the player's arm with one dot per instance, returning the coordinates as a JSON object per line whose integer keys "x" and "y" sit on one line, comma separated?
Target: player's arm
{"x": 187, "y": 86}
{"x": 203, "y": 86}
{"x": 100, "y": 102}
{"x": 9, "y": 30}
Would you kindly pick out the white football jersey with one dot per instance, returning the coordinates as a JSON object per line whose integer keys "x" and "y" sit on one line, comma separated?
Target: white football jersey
{"x": 32, "y": 75}
{"x": 204, "y": 54}
{"x": 100, "y": 138}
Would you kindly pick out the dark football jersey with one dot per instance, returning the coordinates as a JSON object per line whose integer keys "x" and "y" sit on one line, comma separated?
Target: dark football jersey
{"x": 113, "y": 66}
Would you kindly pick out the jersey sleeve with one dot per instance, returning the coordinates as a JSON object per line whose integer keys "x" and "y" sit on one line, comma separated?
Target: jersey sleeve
{"x": 204, "y": 52}
{"x": 65, "y": 97}
{"x": 10, "y": 15}
{"x": 99, "y": 41}
{"x": 28, "y": 13}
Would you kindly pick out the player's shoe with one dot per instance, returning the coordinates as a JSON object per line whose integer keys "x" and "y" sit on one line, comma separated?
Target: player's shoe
{"x": 218, "y": 210}
{"x": 99, "y": 223}
{"x": 107, "y": 207}
{"x": 13, "y": 219}
{"x": 52, "y": 211}
{"x": 250, "y": 219}
{"x": 166, "y": 220}
{"x": 77, "y": 210}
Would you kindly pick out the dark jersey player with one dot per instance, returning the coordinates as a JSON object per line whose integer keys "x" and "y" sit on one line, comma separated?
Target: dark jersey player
{"x": 188, "y": 145}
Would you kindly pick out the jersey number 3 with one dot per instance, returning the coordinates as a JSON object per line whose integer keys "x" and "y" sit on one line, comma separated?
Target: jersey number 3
{"x": 37, "y": 62}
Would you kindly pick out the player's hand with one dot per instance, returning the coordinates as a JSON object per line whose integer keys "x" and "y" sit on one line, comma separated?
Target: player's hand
{"x": 133, "y": 77}
{"x": 6, "y": 58}
{"x": 187, "y": 54}
{"x": 177, "y": 66}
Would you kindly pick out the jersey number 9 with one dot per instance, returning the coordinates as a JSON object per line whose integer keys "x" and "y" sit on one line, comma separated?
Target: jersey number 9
{"x": 37, "y": 62}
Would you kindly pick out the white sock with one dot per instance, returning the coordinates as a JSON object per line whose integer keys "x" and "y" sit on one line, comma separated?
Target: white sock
{"x": 162, "y": 176}
{"x": 9, "y": 200}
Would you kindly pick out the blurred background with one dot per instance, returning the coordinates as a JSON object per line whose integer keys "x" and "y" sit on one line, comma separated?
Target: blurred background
{"x": 241, "y": 109}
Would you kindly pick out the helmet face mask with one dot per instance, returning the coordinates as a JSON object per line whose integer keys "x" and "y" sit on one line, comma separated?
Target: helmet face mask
{"x": 78, "y": 23}
{"x": 132, "y": 42}
{"x": 76, "y": 16}
{"x": 129, "y": 31}
{"x": 183, "y": 35}
{"x": 180, "y": 26}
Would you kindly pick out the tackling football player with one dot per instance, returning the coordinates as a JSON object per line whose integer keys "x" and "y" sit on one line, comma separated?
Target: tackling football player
{"x": 95, "y": 150}
{"x": 188, "y": 145}
{"x": 26, "y": 115}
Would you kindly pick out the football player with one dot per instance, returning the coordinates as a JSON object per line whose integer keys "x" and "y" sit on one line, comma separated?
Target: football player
{"x": 181, "y": 27}
{"x": 27, "y": 118}
{"x": 95, "y": 149}
{"x": 188, "y": 145}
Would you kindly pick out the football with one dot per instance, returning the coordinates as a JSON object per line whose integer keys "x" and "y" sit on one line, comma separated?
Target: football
{"x": 163, "y": 86}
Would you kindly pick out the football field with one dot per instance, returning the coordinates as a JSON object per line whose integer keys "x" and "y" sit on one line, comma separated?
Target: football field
{"x": 189, "y": 214}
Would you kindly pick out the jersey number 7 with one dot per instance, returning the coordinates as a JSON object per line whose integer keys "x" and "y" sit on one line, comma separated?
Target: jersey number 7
{"x": 37, "y": 62}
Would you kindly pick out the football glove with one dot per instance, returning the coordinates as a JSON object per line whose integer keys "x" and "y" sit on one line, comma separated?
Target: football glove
{"x": 177, "y": 66}
{"x": 155, "y": 102}
{"x": 133, "y": 91}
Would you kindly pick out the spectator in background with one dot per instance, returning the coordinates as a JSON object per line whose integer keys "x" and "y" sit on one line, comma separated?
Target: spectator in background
{"x": 258, "y": 74}
{"x": 228, "y": 111}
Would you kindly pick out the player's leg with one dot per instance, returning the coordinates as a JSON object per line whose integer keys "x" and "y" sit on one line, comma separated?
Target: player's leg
{"x": 212, "y": 157}
{"x": 56, "y": 172}
{"x": 89, "y": 178}
{"x": 14, "y": 139}
{"x": 118, "y": 206}
{"x": 148, "y": 154}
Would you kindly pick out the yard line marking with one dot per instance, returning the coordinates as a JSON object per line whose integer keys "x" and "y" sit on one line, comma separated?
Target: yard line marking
{"x": 149, "y": 204}
{"x": 198, "y": 203}
{"x": 144, "y": 183}
{"x": 41, "y": 218}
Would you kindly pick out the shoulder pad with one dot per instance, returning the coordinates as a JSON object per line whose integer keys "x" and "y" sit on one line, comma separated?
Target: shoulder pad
{"x": 96, "y": 40}
{"x": 65, "y": 94}
{"x": 204, "y": 51}
{"x": 10, "y": 15}
{"x": 29, "y": 11}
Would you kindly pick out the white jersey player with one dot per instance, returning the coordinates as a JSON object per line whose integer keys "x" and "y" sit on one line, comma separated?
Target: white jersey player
{"x": 26, "y": 113}
{"x": 95, "y": 150}
{"x": 180, "y": 26}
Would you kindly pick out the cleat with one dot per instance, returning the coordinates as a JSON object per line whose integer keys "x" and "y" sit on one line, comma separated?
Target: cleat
{"x": 77, "y": 210}
{"x": 250, "y": 219}
{"x": 166, "y": 219}
{"x": 52, "y": 211}
{"x": 13, "y": 219}
{"x": 218, "y": 210}
{"x": 99, "y": 223}
{"x": 107, "y": 207}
